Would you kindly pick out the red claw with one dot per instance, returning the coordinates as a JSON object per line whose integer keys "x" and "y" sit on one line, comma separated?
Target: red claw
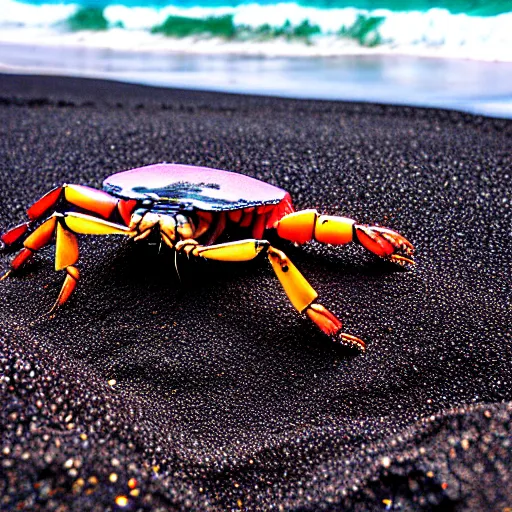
{"x": 331, "y": 325}
{"x": 385, "y": 243}
{"x": 324, "y": 319}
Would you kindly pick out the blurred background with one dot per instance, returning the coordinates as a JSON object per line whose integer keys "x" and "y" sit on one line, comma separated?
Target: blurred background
{"x": 443, "y": 53}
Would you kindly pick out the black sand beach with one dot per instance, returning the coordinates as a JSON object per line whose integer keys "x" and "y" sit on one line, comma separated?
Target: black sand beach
{"x": 212, "y": 393}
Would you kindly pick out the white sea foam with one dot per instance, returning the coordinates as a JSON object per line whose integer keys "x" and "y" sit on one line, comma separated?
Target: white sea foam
{"x": 28, "y": 15}
{"x": 435, "y": 32}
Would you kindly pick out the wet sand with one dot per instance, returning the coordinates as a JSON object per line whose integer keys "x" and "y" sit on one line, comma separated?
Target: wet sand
{"x": 432, "y": 80}
{"x": 147, "y": 393}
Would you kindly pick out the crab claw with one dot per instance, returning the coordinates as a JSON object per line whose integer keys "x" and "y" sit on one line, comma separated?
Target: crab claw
{"x": 331, "y": 326}
{"x": 386, "y": 243}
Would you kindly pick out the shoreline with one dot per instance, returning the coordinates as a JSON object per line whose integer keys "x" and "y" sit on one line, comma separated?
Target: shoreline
{"x": 479, "y": 87}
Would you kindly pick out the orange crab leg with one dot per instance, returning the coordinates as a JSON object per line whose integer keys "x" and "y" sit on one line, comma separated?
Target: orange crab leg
{"x": 66, "y": 252}
{"x": 66, "y": 248}
{"x": 42, "y": 235}
{"x": 299, "y": 291}
{"x": 33, "y": 243}
{"x": 69, "y": 285}
{"x": 306, "y": 225}
{"x": 303, "y": 297}
{"x": 88, "y": 198}
{"x": 95, "y": 201}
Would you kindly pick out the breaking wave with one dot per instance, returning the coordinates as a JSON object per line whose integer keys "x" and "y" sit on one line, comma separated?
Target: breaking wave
{"x": 482, "y": 30}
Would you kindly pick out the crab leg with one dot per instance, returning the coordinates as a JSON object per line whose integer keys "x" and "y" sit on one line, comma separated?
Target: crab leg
{"x": 299, "y": 291}
{"x": 86, "y": 198}
{"x": 88, "y": 225}
{"x": 66, "y": 255}
{"x": 66, "y": 252}
{"x": 73, "y": 222}
{"x": 33, "y": 243}
{"x": 306, "y": 225}
{"x": 64, "y": 226}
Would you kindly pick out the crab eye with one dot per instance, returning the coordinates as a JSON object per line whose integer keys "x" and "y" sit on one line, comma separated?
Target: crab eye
{"x": 147, "y": 202}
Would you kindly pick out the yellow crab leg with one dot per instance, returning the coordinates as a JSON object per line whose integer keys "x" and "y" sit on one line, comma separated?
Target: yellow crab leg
{"x": 66, "y": 248}
{"x": 95, "y": 201}
{"x": 66, "y": 255}
{"x": 241, "y": 250}
{"x": 301, "y": 294}
{"x": 299, "y": 291}
{"x": 66, "y": 251}
{"x": 89, "y": 225}
{"x": 69, "y": 285}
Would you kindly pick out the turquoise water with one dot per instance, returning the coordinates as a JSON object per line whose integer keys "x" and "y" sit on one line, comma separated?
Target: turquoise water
{"x": 480, "y": 29}
{"x": 401, "y": 23}
{"x": 470, "y": 7}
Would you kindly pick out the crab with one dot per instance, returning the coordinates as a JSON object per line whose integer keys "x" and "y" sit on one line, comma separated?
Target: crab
{"x": 189, "y": 208}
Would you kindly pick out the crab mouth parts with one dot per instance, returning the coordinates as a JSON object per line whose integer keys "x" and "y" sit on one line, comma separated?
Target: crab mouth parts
{"x": 170, "y": 228}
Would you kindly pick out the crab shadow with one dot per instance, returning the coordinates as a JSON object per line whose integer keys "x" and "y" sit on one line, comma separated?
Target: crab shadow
{"x": 155, "y": 265}
{"x": 153, "y": 274}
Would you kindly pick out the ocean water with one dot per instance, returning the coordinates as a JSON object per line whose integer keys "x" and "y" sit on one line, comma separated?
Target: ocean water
{"x": 467, "y": 28}
{"x": 393, "y": 51}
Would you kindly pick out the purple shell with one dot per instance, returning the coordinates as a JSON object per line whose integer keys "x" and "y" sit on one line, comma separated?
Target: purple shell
{"x": 189, "y": 187}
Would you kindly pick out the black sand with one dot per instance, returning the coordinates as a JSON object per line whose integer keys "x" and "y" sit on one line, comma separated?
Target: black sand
{"x": 224, "y": 398}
